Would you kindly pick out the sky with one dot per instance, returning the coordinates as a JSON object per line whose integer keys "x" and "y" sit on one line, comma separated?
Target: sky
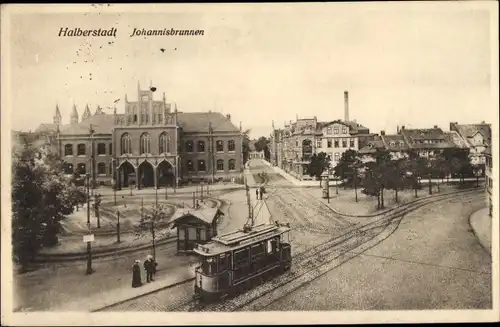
{"x": 416, "y": 65}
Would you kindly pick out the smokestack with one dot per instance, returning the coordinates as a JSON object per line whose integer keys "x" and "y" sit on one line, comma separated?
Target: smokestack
{"x": 346, "y": 106}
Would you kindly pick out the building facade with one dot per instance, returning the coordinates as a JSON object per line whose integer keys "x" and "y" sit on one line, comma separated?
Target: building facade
{"x": 477, "y": 137}
{"x": 151, "y": 144}
{"x": 293, "y": 146}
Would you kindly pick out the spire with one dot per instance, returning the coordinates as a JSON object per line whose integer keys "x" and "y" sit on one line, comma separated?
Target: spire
{"x": 86, "y": 114}
{"x": 57, "y": 116}
{"x": 98, "y": 111}
{"x": 74, "y": 115}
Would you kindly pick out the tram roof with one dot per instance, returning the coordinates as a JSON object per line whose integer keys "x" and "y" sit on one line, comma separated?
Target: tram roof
{"x": 238, "y": 239}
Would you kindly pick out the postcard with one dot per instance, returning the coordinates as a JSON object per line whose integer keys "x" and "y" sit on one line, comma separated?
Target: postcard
{"x": 260, "y": 163}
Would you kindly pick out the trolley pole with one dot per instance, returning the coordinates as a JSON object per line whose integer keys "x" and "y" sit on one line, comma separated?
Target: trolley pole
{"x": 194, "y": 200}
{"x": 89, "y": 246}
{"x": 201, "y": 192}
{"x": 166, "y": 195}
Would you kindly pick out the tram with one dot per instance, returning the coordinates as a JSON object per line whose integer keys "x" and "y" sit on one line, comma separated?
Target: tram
{"x": 237, "y": 261}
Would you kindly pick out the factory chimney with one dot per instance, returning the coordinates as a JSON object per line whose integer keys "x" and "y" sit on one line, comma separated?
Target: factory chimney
{"x": 346, "y": 106}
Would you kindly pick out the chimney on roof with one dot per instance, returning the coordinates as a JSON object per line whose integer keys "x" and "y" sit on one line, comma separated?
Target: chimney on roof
{"x": 228, "y": 116}
{"x": 382, "y": 132}
{"x": 346, "y": 106}
{"x": 483, "y": 122}
{"x": 397, "y": 129}
{"x": 402, "y": 128}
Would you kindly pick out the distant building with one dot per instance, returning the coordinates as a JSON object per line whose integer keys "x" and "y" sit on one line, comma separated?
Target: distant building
{"x": 293, "y": 146}
{"x": 151, "y": 144}
{"x": 476, "y": 137}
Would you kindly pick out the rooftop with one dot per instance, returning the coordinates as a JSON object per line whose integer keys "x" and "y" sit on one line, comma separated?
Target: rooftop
{"x": 206, "y": 215}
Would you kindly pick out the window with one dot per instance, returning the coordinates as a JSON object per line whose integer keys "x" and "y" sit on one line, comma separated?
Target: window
{"x": 68, "y": 168}
{"x": 201, "y": 146}
{"x": 189, "y": 165}
{"x": 329, "y": 143}
{"x": 345, "y": 130}
{"x": 336, "y": 156}
{"x": 164, "y": 143}
{"x": 231, "y": 146}
{"x": 232, "y": 164}
{"x": 220, "y": 165}
{"x": 126, "y": 144}
{"x": 219, "y": 146}
{"x": 101, "y": 148}
{"x": 391, "y": 143}
{"x": 81, "y": 169}
{"x": 201, "y": 165}
{"x": 68, "y": 150}
{"x": 318, "y": 143}
{"x": 189, "y": 146}
{"x": 101, "y": 168}
{"x": 329, "y": 130}
{"x": 336, "y": 144}
{"x": 401, "y": 144}
{"x": 335, "y": 130}
{"x": 145, "y": 143}
{"x": 344, "y": 143}
{"x": 351, "y": 143}
{"x": 135, "y": 118}
{"x": 111, "y": 169}
{"x": 80, "y": 149}
{"x": 110, "y": 149}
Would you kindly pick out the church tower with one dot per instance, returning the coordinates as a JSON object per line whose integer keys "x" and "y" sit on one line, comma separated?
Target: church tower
{"x": 57, "y": 116}
{"x": 86, "y": 114}
{"x": 74, "y": 115}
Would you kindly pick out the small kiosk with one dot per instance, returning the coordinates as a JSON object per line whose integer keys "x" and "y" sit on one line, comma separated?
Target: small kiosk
{"x": 195, "y": 226}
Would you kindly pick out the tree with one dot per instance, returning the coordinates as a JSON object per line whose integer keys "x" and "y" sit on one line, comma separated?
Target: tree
{"x": 378, "y": 172}
{"x": 395, "y": 176}
{"x": 41, "y": 198}
{"x": 459, "y": 162}
{"x": 148, "y": 225}
{"x": 246, "y": 145}
{"x": 346, "y": 168}
{"x": 415, "y": 165}
{"x": 261, "y": 144}
{"x": 319, "y": 162}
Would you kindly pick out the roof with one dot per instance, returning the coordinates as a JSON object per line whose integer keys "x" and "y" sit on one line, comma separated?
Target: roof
{"x": 394, "y": 142}
{"x": 238, "y": 239}
{"x": 44, "y": 128}
{"x": 468, "y": 131}
{"x": 372, "y": 146}
{"x": 102, "y": 124}
{"x": 436, "y": 133}
{"x": 199, "y": 121}
{"x": 207, "y": 215}
{"x": 454, "y": 137}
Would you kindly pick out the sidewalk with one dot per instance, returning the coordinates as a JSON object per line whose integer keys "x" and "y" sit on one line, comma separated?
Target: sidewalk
{"x": 481, "y": 223}
{"x": 108, "y": 191}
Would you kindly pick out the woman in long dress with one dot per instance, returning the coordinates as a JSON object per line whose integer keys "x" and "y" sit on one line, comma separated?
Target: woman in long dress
{"x": 136, "y": 274}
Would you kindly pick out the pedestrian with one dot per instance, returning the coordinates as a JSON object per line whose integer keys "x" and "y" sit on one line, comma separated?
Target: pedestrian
{"x": 257, "y": 193}
{"x": 150, "y": 267}
{"x": 136, "y": 274}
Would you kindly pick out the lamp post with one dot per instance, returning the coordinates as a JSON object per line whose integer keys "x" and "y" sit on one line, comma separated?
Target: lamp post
{"x": 117, "y": 226}
{"x": 89, "y": 246}
{"x": 115, "y": 184}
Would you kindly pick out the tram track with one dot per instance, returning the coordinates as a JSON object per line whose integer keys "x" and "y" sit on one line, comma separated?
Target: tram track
{"x": 311, "y": 263}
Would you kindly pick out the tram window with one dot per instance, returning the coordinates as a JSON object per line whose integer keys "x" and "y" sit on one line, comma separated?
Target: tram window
{"x": 209, "y": 265}
{"x": 241, "y": 256}
{"x": 223, "y": 262}
{"x": 191, "y": 233}
{"x": 258, "y": 249}
{"x": 269, "y": 247}
{"x": 203, "y": 235}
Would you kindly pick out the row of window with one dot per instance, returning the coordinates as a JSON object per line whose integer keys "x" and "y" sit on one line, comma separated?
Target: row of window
{"x": 336, "y": 130}
{"x": 81, "y": 149}
{"x": 202, "y": 166}
{"x": 164, "y": 144}
{"x": 81, "y": 168}
{"x": 336, "y": 143}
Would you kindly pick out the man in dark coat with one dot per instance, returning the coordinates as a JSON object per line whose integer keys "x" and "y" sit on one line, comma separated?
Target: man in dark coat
{"x": 150, "y": 267}
{"x": 136, "y": 274}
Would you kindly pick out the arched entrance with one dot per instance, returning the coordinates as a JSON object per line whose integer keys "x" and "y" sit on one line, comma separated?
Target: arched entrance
{"x": 146, "y": 175}
{"x": 126, "y": 175}
{"x": 166, "y": 174}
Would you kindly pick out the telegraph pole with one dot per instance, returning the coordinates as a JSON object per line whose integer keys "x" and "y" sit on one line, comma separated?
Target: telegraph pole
{"x": 118, "y": 226}
{"x": 328, "y": 185}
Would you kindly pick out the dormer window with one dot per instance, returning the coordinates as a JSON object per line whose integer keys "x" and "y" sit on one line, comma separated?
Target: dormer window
{"x": 392, "y": 144}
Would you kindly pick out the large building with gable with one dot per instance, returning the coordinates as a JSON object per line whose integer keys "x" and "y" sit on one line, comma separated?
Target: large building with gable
{"x": 150, "y": 144}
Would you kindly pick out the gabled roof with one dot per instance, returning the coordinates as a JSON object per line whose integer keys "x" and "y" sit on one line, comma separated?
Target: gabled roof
{"x": 412, "y": 136}
{"x": 468, "y": 131}
{"x": 454, "y": 137}
{"x": 372, "y": 146}
{"x": 394, "y": 142}
{"x": 46, "y": 128}
{"x": 102, "y": 124}
{"x": 207, "y": 215}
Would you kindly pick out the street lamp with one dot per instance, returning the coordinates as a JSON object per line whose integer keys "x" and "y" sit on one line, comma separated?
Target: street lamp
{"x": 89, "y": 246}
{"x": 117, "y": 226}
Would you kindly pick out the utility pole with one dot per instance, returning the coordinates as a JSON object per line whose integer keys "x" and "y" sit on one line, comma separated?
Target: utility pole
{"x": 89, "y": 246}
{"x": 166, "y": 195}
{"x": 328, "y": 185}
{"x": 92, "y": 158}
{"x": 194, "y": 200}
{"x": 115, "y": 185}
{"x": 201, "y": 191}
{"x": 142, "y": 208}
{"x": 153, "y": 233}
{"x": 118, "y": 226}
